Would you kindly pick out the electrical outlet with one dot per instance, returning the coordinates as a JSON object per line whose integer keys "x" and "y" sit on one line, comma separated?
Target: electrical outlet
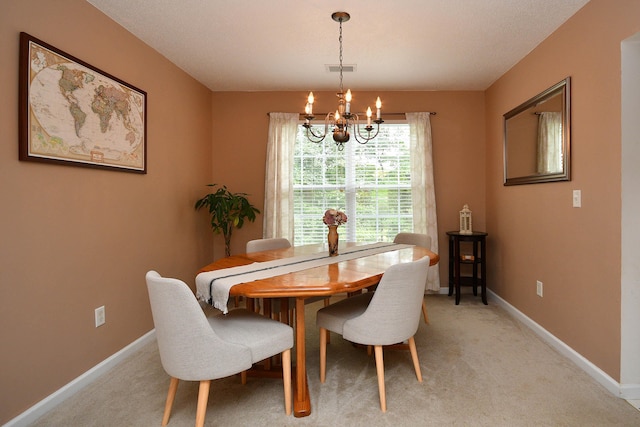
{"x": 539, "y": 288}
{"x": 100, "y": 316}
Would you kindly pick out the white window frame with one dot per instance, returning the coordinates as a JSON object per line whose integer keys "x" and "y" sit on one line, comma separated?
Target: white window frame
{"x": 348, "y": 232}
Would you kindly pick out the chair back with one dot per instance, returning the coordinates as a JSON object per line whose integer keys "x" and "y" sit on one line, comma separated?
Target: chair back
{"x": 189, "y": 347}
{"x": 418, "y": 239}
{"x": 393, "y": 314}
{"x": 259, "y": 245}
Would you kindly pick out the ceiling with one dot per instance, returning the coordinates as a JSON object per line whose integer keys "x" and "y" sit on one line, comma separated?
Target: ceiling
{"x": 285, "y": 45}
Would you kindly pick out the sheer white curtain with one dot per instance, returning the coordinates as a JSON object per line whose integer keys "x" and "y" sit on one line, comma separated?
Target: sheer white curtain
{"x": 423, "y": 193}
{"x": 278, "y": 191}
{"x": 549, "y": 142}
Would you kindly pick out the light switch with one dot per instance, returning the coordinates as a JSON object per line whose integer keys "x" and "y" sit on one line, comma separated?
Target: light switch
{"x": 577, "y": 198}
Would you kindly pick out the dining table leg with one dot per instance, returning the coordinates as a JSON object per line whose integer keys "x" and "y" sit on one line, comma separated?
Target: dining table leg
{"x": 301, "y": 400}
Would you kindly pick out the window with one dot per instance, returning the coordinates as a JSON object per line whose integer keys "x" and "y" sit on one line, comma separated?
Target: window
{"x": 371, "y": 183}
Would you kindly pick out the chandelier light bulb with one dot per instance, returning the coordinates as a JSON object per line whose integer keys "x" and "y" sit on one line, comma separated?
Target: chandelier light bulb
{"x": 379, "y": 107}
{"x": 308, "y": 109}
{"x": 369, "y": 116}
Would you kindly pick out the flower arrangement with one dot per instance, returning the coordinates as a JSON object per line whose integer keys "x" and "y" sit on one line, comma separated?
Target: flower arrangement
{"x": 334, "y": 217}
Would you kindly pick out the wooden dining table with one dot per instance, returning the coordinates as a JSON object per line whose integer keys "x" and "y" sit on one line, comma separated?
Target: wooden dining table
{"x": 335, "y": 278}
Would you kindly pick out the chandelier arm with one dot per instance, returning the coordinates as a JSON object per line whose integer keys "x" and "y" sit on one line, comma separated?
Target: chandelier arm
{"x": 328, "y": 121}
{"x": 316, "y": 136}
{"x": 313, "y": 137}
{"x": 357, "y": 134}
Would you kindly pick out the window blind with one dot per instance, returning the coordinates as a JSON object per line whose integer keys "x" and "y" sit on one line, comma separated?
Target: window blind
{"x": 371, "y": 183}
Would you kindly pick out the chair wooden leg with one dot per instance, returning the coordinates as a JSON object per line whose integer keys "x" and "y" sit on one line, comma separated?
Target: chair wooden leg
{"x": 414, "y": 357}
{"x": 203, "y": 397}
{"x": 243, "y": 377}
{"x": 380, "y": 370}
{"x": 286, "y": 378}
{"x": 424, "y": 313}
{"x": 173, "y": 387}
{"x": 323, "y": 354}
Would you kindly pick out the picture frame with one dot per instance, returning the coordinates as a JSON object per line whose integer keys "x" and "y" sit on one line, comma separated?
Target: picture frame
{"x": 73, "y": 113}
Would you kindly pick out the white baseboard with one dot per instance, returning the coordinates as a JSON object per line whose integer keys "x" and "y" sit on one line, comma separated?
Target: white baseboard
{"x": 630, "y": 392}
{"x": 625, "y": 391}
{"x": 48, "y": 403}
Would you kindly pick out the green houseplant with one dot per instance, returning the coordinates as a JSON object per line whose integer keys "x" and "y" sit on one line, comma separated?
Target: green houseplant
{"x": 228, "y": 211}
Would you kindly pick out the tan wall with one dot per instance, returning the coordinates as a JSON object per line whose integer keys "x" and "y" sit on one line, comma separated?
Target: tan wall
{"x": 73, "y": 239}
{"x": 241, "y": 124}
{"x": 535, "y": 232}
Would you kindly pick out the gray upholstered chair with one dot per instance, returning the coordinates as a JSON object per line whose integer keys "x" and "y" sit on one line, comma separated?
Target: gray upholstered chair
{"x": 194, "y": 347}
{"x": 421, "y": 240}
{"x": 387, "y": 316}
{"x": 259, "y": 245}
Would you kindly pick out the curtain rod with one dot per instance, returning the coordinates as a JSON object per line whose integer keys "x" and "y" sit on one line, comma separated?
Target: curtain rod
{"x": 364, "y": 114}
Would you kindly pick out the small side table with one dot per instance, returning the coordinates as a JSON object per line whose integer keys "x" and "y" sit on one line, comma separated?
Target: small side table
{"x": 478, "y": 257}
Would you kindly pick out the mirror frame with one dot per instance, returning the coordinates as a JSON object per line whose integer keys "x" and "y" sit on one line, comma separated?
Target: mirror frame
{"x": 562, "y": 88}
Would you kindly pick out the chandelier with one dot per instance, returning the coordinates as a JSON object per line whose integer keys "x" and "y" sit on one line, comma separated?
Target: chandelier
{"x": 343, "y": 120}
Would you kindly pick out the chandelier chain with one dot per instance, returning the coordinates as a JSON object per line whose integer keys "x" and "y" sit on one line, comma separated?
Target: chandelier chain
{"x": 340, "y": 40}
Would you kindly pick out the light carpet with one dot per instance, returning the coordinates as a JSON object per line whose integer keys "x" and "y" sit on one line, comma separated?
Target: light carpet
{"x": 480, "y": 366}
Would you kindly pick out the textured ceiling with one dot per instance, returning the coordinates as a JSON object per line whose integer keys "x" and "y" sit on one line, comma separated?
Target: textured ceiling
{"x": 280, "y": 45}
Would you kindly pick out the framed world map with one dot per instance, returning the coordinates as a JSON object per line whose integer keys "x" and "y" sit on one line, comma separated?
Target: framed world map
{"x": 73, "y": 113}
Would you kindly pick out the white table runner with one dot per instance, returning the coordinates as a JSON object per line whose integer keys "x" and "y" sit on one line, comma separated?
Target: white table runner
{"x": 213, "y": 287}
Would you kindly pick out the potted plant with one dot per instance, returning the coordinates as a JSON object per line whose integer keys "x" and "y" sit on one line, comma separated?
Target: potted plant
{"x": 228, "y": 211}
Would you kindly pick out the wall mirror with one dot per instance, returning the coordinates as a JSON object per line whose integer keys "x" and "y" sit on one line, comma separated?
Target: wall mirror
{"x": 537, "y": 138}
